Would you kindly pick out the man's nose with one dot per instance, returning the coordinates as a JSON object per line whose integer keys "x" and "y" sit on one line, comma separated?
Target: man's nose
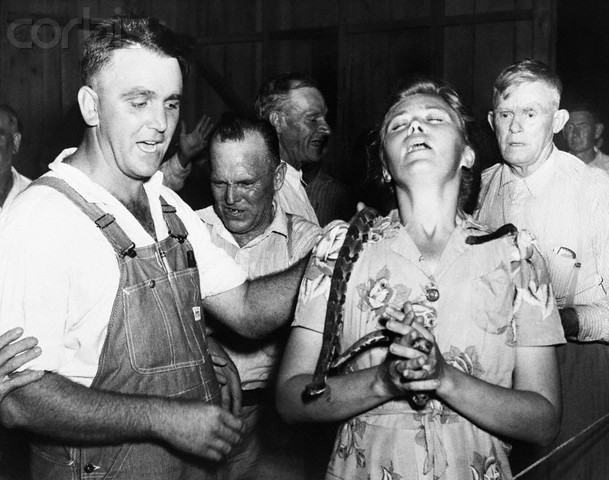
{"x": 515, "y": 124}
{"x": 230, "y": 196}
{"x": 324, "y": 127}
{"x": 158, "y": 118}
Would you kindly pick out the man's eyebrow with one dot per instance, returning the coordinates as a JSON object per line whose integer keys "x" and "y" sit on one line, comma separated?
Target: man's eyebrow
{"x": 138, "y": 92}
{"x": 175, "y": 96}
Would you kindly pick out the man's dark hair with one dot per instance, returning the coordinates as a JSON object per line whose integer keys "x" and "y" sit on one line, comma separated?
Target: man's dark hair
{"x": 128, "y": 32}
{"x": 233, "y": 127}
{"x": 13, "y": 118}
{"x": 585, "y": 107}
{"x": 275, "y": 92}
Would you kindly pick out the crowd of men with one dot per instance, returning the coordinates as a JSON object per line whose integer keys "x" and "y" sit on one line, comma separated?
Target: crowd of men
{"x": 154, "y": 332}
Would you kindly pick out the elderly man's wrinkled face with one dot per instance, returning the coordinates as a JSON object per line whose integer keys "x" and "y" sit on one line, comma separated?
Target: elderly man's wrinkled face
{"x": 244, "y": 182}
{"x": 525, "y": 120}
{"x": 9, "y": 143}
{"x": 581, "y": 132}
{"x": 304, "y": 131}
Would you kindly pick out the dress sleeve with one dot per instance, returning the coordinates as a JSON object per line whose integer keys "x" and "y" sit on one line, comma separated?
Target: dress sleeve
{"x": 535, "y": 314}
{"x": 315, "y": 286}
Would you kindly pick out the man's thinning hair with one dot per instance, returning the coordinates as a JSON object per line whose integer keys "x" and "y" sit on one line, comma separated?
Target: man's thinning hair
{"x": 232, "y": 128}
{"x": 13, "y": 118}
{"x": 526, "y": 71}
{"x": 128, "y": 32}
{"x": 274, "y": 94}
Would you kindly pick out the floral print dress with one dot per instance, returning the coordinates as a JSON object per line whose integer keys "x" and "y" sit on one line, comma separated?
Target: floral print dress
{"x": 493, "y": 298}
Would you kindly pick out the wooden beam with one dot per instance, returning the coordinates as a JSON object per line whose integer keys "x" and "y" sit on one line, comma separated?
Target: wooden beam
{"x": 220, "y": 85}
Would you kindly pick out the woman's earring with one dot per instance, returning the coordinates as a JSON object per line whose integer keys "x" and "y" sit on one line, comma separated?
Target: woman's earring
{"x": 386, "y": 176}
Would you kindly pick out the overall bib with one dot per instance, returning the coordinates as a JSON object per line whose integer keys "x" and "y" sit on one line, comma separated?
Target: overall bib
{"x": 155, "y": 345}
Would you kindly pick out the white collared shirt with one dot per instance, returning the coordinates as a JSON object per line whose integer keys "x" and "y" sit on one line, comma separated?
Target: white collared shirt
{"x": 59, "y": 274}
{"x": 268, "y": 253}
{"x": 292, "y": 196}
{"x": 564, "y": 203}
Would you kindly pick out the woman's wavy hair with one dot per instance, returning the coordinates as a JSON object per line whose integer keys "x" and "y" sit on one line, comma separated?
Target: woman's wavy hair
{"x": 427, "y": 86}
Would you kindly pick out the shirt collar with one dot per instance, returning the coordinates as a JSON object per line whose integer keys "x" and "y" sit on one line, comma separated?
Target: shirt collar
{"x": 535, "y": 182}
{"x": 279, "y": 225}
{"x": 293, "y": 176}
{"x": 91, "y": 191}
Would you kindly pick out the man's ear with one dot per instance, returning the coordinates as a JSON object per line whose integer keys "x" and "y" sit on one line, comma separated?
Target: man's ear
{"x": 468, "y": 157}
{"x": 598, "y": 131}
{"x": 277, "y": 120}
{"x": 560, "y": 118}
{"x": 88, "y": 103}
{"x": 491, "y": 118}
{"x": 279, "y": 176}
{"x": 16, "y": 142}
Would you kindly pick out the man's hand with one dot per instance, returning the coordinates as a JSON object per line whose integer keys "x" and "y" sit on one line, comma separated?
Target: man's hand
{"x": 13, "y": 355}
{"x": 228, "y": 377}
{"x": 204, "y": 430}
{"x": 193, "y": 143}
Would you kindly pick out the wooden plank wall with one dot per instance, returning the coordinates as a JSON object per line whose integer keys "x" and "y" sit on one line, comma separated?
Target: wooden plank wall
{"x": 356, "y": 49}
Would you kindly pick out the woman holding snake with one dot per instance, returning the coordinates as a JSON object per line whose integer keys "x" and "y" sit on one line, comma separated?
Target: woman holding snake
{"x": 483, "y": 303}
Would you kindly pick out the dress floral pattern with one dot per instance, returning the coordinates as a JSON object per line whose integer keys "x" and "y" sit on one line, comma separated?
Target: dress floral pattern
{"x": 493, "y": 298}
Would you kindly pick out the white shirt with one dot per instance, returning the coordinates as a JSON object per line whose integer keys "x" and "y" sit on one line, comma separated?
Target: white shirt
{"x": 267, "y": 253}
{"x": 292, "y": 196}
{"x": 564, "y": 203}
{"x": 59, "y": 274}
{"x": 600, "y": 160}
{"x": 20, "y": 183}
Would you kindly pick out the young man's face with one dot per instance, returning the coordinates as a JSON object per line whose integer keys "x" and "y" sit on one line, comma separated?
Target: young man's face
{"x": 138, "y": 106}
{"x": 581, "y": 132}
{"x": 525, "y": 120}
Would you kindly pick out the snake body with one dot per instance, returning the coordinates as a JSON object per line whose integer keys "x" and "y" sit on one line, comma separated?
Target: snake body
{"x": 357, "y": 235}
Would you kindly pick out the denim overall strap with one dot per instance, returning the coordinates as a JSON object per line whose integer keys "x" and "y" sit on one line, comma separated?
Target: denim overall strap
{"x": 119, "y": 240}
{"x": 155, "y": 345}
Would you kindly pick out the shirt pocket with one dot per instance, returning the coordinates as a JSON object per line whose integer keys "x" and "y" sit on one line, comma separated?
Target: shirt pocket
{"x": 562, "y": 270}
{"x": 492, "y": 297}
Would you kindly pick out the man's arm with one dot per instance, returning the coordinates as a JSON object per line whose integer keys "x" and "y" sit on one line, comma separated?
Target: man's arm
{"x": 13, "y": 355}
{"x": 592, "y": 320}
{"x": 67, "y": 411}
{"x": 259, "y": 307}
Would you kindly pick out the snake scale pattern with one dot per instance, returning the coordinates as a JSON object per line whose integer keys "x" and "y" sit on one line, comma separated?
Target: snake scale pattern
{"x": 356, "y": 237}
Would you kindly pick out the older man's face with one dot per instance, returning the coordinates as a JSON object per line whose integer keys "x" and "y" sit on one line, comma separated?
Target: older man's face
{"x": 243, "y": 183}
{"x": 8, "y": 146}
{"x": 304, "y": 132}
{"x": 524, "y": 121}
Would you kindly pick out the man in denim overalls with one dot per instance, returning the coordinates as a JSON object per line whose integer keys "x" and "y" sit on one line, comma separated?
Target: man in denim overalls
{"x": 111, "y": 272}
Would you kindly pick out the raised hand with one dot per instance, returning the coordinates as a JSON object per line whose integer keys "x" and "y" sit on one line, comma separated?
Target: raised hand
{"x": 13, "y": 355}
{"x": 194, "y": 142}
